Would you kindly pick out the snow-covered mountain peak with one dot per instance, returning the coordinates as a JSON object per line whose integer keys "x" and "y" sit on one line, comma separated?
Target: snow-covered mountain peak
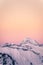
{"x": 29, "y": 41}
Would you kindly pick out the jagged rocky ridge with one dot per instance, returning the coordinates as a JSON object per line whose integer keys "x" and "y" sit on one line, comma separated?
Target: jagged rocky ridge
{"x": 28, "y": 52}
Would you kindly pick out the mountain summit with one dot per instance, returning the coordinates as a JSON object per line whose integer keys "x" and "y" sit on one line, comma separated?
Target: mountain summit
{"x": 29, "y": 40}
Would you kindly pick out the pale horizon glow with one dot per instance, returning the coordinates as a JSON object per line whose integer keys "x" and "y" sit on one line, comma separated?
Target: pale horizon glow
{"x": 21, "y": 19}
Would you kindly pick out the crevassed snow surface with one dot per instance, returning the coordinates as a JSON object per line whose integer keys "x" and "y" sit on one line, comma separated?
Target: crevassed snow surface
{"x": 28, "y": 52}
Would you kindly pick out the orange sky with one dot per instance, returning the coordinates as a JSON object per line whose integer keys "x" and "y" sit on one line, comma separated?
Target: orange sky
{"x": 21, "y": 19}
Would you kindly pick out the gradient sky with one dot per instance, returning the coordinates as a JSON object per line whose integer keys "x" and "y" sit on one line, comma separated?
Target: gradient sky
{"x": 20, "y": 19}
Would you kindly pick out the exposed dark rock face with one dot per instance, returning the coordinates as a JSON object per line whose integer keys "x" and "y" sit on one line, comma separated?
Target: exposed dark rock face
{"x": 6, "y": 59}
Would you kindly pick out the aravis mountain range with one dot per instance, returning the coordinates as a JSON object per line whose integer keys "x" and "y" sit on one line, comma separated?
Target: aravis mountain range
{"x": 28, "y": 52}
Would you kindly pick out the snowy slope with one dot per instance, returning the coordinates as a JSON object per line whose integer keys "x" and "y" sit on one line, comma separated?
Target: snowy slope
{"x": 28, "y": 52}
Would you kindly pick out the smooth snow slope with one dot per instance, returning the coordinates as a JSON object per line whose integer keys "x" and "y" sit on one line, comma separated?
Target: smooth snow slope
{"x": 28, "y": 52}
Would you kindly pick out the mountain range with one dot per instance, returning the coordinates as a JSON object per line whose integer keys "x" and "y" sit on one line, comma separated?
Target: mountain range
{"x": 28, "y": 52}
